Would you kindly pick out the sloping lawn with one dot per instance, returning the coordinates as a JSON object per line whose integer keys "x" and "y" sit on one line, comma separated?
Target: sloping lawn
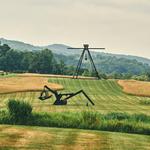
{"x": 21, "y": 137}
{"x": 106, "y": 94}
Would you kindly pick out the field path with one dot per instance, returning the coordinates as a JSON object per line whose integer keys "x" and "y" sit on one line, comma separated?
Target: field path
{"x": 52, "y": 76}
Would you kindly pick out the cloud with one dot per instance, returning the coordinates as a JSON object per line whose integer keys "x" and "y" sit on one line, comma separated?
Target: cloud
{"x": 115, "y": 24}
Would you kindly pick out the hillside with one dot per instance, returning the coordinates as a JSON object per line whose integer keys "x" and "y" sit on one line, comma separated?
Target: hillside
{"x": 62, "y": 49}
{"x": 108, "y": 64}
{"x": 18, "y": 45}
{"x": 106, "y": 94}
{"x": 44, "y": 61}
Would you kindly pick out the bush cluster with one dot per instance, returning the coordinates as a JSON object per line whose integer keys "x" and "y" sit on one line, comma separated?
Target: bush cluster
{"x": 19, "y": 111}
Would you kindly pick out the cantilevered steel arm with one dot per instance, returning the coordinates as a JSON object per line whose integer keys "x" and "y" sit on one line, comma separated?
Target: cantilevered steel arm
{"x": 53, "y": 91}
{"x": 83, "y": 48}
{"x": 70, "y": 95}
{"x": 44, "y": 94}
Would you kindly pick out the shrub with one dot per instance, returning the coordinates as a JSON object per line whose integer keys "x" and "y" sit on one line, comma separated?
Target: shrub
{"x": 116, "y": 115}
{"x": 145, "y": 102}
{"x": 89, "y": 119}
{"x": 19, "y": 111}
{"x": 4, "y": 117}
{"x": 140, "y": 118}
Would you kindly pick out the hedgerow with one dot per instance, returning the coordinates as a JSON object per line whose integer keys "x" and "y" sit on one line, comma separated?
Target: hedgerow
{"x": 21, "y": 113}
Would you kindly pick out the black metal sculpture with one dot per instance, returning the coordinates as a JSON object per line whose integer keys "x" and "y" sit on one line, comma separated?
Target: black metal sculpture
{"x": 85, "y": 49}
{"x": 61, "y": 99}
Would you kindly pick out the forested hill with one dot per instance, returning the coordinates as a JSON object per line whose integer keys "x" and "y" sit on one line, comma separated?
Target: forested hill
{"x": 55, "y": 48}
{"x": 62, "y": 49}
{"x": 44, "y": 61}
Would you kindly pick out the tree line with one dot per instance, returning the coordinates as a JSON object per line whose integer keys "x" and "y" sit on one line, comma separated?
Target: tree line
{"x": 44, "y": 61}
{"x": 36, "y": 61}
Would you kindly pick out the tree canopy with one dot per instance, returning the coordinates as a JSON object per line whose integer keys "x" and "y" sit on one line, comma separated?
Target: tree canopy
{"x": 44, "y": 61}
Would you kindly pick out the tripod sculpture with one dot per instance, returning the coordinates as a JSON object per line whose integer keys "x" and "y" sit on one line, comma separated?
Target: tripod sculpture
{"x": 85, "y": 49}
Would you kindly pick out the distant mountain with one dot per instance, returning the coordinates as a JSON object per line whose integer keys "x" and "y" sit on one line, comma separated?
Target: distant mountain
{"x": 62, "y": 49}
{"x": 139, "y": 59}
{"x": 17, "y": 45}
{"x": 55, "y": 48}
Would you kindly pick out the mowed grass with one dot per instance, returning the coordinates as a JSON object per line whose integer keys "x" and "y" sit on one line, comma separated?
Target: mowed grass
{"x": 106, "y": 94}
{"x": 21, "y": 137}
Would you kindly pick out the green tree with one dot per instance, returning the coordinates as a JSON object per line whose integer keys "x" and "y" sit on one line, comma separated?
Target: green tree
{"x": 42, "y": 62}
{"x": 12, "y": 61}
{"x": 4, "y": 49}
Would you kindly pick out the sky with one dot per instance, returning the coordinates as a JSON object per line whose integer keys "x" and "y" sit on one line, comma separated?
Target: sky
{"x": 121, "y": 26}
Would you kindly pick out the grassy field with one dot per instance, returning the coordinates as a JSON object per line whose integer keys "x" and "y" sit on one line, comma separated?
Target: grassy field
{"x": 24, "y": 84}
{"x": 106, "y": 94}
{"x": 21, "y": 137}
{"x": 139, "y": 88}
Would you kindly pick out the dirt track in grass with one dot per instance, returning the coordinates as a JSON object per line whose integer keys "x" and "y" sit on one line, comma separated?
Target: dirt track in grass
{"x": 52, "y": 76}
{"x": 25, "y": 84}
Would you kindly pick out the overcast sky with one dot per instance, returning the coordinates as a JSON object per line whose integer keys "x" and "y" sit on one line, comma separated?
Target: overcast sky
{"x": 122, "y": 26}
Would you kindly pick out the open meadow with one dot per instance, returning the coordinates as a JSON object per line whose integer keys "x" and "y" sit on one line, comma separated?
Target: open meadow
{"x": 107, "y": 95}
{"x": 133, "y": 87}
{"x": 25, "y": 84}
{"x": 23, "y": 137}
